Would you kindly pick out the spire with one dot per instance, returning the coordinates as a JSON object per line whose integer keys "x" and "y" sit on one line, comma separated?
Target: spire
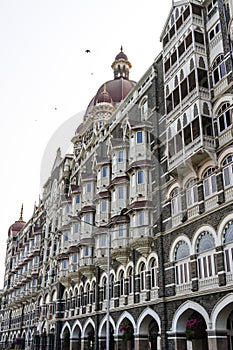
{"x": 21, "y": 213}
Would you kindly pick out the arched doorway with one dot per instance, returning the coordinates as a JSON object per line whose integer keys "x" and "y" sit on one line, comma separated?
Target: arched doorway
{"x": 89, "y": 337}
{"x": 126, "y": 333}
{"x": 66, "y": 339}
{"x": 196, "y": 331}
{"x": 230, "y": 331}
{"x": 153, "y": 331}
{"x": 76, "y": 337}
{"x": 189, "y": 327}
{"x": 149, "y": 330}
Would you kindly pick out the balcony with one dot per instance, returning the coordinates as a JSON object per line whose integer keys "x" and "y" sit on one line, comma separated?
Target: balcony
{"x": 194, "y": 152}
{"x": 142, "y": 245}
{"x": 87, "y": 266}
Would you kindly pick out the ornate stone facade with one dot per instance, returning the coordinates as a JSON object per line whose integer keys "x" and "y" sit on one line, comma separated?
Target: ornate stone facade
{"x": 135, "y": 228}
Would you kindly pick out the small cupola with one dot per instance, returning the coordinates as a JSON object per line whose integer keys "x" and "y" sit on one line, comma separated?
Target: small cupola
{"x": 121, "y": 66}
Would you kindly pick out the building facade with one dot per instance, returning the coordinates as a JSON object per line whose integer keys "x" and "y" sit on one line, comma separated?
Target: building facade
{"x": 135, "y": 229}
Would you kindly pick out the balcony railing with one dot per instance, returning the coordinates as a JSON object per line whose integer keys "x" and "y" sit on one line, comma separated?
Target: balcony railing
{"x": 191, "y": 149}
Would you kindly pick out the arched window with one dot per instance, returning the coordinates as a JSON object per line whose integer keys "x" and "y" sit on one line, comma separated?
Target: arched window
{"x": 191, "y": 192}
{"x": 201, "y": 62}
{"x": 93, "y": 293}
{"x": 228, "y": 249}
{"x": 88, "y": 300}
{"x": 104, "y": 286}
{"x": 142, "y": 274}
{"x": 209, "y": 183}
{"x": 144, "y": 108}
{"x": 191, "y": 64}
{"x": 175, "y": 201}
{"x": 130, "y": 277}
{"x": 182, "y": 253}
{"x": 185, "y": 120}
{"x": 111, "y": 286}
{"x": 219, "y": 69}
{"x": 81, "y": 296}
{"x": 122, "y": 283}
{"x": 153, "y": 273}
{"x": 181, "y": 74}
{"x": 206, "y": 110}
{"x": 228, "y": 171}
{"x": 224, "y": 117}
{"x": 205, "y": 250}
{"x": 195, "y": 111}
{"x": 178, "y": 125}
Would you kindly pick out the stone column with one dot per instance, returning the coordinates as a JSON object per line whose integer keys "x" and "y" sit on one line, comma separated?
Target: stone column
{"x": 200, "y": 193}
{"x": 137, "y": 288}
{"x": 194, "y": 274}
{"x": 220, "y": 186}
{"x": 217, "y": 341}
{"x": 75, "y": 344}
{"x": 141, "y": 342}
{"x": 180, "y": 342}
{"x": 219, "y": 261}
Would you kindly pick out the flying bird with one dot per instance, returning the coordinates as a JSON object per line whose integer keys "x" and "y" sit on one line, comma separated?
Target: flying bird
{"x": 88, "y": 51}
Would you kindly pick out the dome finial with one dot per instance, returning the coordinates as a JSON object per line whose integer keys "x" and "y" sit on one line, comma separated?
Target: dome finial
{"x": 121, "y": 48}
{"x": 21, "y": 213}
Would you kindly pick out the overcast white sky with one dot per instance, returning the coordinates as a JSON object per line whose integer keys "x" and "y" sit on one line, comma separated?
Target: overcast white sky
{"x": 46, "y": 78}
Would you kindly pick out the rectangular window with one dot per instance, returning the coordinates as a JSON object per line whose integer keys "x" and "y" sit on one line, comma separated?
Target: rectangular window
{"x": 88, "y": 187}
{"x": 88, "y": 218}
{"x": 67, "y": 209}
{"x": 86, "y": 251}
{"x": 103, "y": 206}
{"x": 105, "y": 171}
{"x": 228, "y": 175}
{"x": 75, "y": 258}
{"x": 210, "y": 186}
{"x": 141, "y": 220}
{"x": 77, "y": 199}
{"x": 76, "y": 228}
{"x": 121, "y": 231}
{"x": 121, "y": 192}
{"x": 103, "y": 241}
{"x": 66, "y": 236}
{"x": 65, "y": 264}
{"x": 120, "y": 157}
{"x": 139, "y": 137}
{"x": 140, "y": 176}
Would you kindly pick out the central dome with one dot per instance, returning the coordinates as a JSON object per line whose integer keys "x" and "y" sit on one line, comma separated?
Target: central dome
{"x": 114, "y": 91}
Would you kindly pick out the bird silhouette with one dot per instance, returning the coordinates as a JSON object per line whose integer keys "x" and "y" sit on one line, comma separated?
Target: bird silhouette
{"x": 88, "y": 51}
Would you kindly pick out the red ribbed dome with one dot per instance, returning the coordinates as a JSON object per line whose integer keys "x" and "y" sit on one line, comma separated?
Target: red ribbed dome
{"x": 118, "y": 89}
{"x": 113, "y": 91}
{"x": 17, "y": 226}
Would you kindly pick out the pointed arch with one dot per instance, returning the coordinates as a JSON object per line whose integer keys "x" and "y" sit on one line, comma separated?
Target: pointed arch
{"x": 179, "y": 322}
{"x": 221, "y": 312}
{"x": 127, "y": 315}
{"x": 102, "y": 324}
{"x": 66, "y": 325}
{"x": 88, "y": 322}
{"x": 146, "y": 312}
{"x": 76, "y": 324}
